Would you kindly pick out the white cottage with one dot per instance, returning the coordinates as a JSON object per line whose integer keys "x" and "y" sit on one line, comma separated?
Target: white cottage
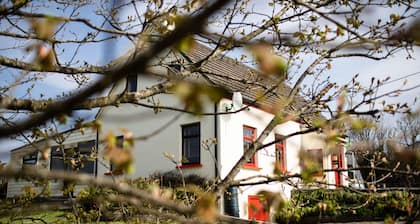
{"x": 182, "y": 134}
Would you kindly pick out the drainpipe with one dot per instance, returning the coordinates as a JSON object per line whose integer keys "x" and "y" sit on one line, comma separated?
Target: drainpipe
{"x": 97, "y": 153}
{"x": 216, "y": 126}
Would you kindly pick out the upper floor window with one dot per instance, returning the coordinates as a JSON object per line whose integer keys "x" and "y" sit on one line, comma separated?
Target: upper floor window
{"x": 30, "y": 159}
{"x": 132, "y": 83}
{"x": 191, "y": 144}
{"x": 280, "y": 154}
{"x": 249, "y": 138}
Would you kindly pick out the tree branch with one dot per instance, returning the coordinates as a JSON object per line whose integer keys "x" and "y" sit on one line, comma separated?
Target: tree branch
{"x": 14, "y": 63}
{"x": 111, "y": 100}
{"x": 137, "y": 65}
{"x": 96, "y": 181}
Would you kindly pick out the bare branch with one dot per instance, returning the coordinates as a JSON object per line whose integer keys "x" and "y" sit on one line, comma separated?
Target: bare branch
{"x": 111, "y": 100}
{"x": 96, "y": 181}
{"x": 137, "y": 65}
{"x": 13, "y": 63}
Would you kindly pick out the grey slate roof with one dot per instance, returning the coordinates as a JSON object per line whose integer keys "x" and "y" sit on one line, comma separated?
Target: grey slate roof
{"x": 238, "y": 77}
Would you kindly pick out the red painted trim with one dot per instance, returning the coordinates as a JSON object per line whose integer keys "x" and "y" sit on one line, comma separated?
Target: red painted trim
{"x": 281, "y": 163}
{"x": 186, "y": 166}
{"x": 253, "y": 165}
{"x": 337, "y": 163}
{"x": 114, "y": 173}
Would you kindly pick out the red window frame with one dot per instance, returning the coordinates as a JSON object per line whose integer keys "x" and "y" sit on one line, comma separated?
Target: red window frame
{"x": 250, "y": 138}
{"x": 256, "y": 209}
{"x": 337, "y": 163}
{"x": 281, "y": 163}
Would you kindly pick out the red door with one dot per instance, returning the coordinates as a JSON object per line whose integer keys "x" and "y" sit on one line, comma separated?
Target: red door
{"x": 256, "y": 210}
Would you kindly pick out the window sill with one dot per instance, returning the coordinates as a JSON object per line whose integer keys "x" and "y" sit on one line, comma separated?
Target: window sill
{"x": 186, "y": 166}
{"x": 318, "y": 175}
{"x": 114, "y": 173}
{"x": 251, "y": 167}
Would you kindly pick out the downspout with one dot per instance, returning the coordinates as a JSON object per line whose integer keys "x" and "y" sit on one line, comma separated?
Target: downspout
{"x": 97, "y": 153}
{"x": 216, "y": 127}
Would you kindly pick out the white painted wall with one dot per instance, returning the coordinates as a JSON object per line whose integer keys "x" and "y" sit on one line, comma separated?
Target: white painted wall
{"x": 149, "y": 153}
{"x": 231, "y": 149}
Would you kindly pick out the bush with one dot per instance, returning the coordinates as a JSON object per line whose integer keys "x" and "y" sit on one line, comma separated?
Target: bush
{"x": 323, "y": 202}
{"x": 173, "y": 179}
{"x": 94, "y": 204}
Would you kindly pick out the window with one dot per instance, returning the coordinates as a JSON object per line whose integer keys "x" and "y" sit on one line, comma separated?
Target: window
{"x": 30, "y": 159}
{"x": 86, "y": 163}
{"x": 281, "y": 155}
{"x": 132, "y": 83}
{"x": 57, "y": 159}
{"x": 337, "y": 163}
{"x": 76, "y": 159}
{"x": 191, "y": 144}
{"x": 256, "y": 209}
{"x": 249, "y": 138}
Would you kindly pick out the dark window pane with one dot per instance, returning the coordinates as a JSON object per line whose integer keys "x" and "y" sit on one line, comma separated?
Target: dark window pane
{"x": 191, "y": 144}
{"x": 81, "y": 155}
{"x": 191, "y": 130}
{"x": 30, "y": 159}
{"x": 57, "y": 164}
{"x": 132, "y": 83}
{"x": 86, "y": 164}
{"x": 87, "y": 167}
{"x": 87, "y": 147}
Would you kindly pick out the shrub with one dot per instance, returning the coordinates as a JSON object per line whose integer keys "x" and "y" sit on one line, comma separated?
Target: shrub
{"x": 323, "y": 202}
{"x": 173, "y": 179}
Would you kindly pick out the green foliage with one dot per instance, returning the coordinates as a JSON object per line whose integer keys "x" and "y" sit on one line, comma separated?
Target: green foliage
{"x": 323, "y": 202}
{"x": 93, "y": 203}
{"x": 174, "y": 179}
{"x": 195, "y": 185}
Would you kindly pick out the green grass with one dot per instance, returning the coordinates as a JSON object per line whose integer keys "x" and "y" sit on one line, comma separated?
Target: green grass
{"x": 59, "y": 217}
{"x": 49, "y": 217}
{"x": 43, "y": 217}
